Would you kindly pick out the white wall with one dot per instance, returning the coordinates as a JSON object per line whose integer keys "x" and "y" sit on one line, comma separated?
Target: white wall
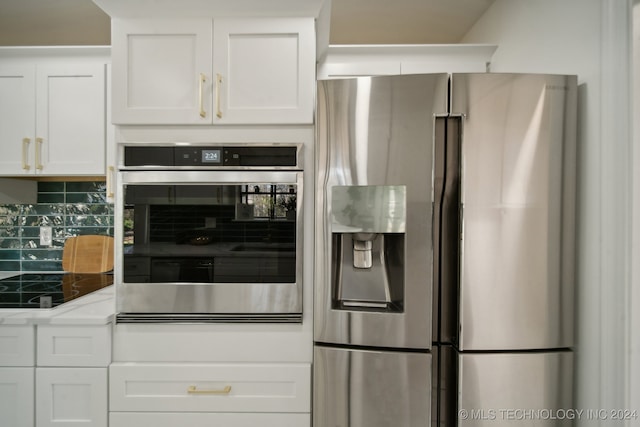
{"x": 589, "y": 38}
{"x": 635, "y": 300}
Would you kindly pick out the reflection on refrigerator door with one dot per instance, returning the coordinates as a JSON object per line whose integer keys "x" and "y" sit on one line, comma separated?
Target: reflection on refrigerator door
{"x": 366, "y": 388}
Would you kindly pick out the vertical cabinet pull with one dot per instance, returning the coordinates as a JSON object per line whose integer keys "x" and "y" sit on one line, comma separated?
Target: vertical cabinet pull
{"x": 203, "y": 79}
{"x": 25, "y": 153}
{"x": 39, "y": 142}
{"x": 110, "y": 172}
{"x": 218, "y": 83}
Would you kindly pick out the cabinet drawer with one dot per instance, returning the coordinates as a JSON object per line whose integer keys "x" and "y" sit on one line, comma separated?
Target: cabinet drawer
{"x": 86, "y": 346}
{"x": 210, "y": 387}
{"x": 17, "y": 345}
{"x": 194, "y": 419}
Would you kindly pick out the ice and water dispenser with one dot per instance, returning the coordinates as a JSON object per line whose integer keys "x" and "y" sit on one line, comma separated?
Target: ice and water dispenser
{"x": 368, "y": 224}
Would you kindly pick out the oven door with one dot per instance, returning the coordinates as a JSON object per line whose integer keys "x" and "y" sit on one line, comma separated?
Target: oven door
{"x": 209, "y": 246}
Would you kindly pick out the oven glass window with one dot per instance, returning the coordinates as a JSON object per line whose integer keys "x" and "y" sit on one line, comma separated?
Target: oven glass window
{"x": 210, "y": 233}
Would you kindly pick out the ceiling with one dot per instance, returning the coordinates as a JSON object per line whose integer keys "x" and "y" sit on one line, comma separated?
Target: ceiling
{"x": 81, "y": 22}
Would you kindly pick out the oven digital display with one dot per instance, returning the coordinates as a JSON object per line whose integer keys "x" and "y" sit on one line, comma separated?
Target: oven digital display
{"x": 211, "y": 156}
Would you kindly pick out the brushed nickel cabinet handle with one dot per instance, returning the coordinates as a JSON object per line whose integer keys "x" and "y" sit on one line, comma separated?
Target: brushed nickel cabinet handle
{"x": 193, "y": 390}
{"x": 203, "y": 79}
{"x": 25, "y": 153}
{"x": 218, "y": 84}
{"x": 39, "y": 142}
{"x": 110, "y": 172}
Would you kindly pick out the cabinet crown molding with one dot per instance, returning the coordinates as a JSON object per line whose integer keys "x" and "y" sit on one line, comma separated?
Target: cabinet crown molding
{"x": 210, "y": 8}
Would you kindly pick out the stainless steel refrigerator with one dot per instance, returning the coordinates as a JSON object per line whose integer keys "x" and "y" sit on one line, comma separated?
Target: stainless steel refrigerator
{"x": 445, "y": 234}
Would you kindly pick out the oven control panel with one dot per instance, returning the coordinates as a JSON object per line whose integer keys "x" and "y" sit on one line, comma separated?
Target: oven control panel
{"x": 204, "y": 157}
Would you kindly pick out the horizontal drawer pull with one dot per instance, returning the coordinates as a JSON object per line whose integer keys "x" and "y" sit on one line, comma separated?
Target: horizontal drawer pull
{"x": 192, "y": 390}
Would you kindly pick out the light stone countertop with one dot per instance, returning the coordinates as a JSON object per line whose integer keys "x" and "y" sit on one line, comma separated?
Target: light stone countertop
{"x": 96, "y": 308}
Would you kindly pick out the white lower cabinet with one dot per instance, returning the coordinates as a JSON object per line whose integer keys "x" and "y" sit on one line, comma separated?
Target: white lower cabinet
{"x": 71, "y": 376}
{"x": 16, "y": 397}
{"x": 179, "y": 394}
{"x": 173, "y": 419}
{"x": 68, "y": 397}
{"x": 54, "y": 375}
{"x": 17, "y": 357}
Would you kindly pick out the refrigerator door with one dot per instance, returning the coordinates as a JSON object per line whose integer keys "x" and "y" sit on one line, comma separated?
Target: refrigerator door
{"x": 518, "y": 199}
{"x": 515, "y": 389}
{"x": 374, "y": 202}
{"x": 359, "y": 388}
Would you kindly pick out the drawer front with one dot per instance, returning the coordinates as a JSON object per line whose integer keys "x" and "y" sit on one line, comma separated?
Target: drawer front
{"x": 17, "y": 345}
{"x": 210, "y": 387}
{"x": 83, "y": 346}
{"x": 194, "y": 419}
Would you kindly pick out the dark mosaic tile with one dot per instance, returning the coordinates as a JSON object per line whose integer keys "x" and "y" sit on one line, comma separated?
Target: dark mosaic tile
{"x": 89, "y": 221}
{"x": 50, "y": 187}
{"x": 71, "y": 208}
{"x": 86, "y": 187}
{"x": 34, "y": 232}
{"x": 10, "y": 265}
{"x": 10, "y": 210}
{"x": 50, "y": 198}
{"x": 34, "y": 243}
{"x": 41, "y": 265}
{"x": 89, "y": 209}
{"x": 9, "y": 254}
{"x": 82, "y": 231}
{"x": 8, "y": 220}
{"x": 30, "y": 243}
{"x": 9, "y": 231}
{"x": 42, "y": 255}
{"x": 39, "y": 221}
{"x": 44, "y": 209}
{"x": 86, "y": 198}
{"x": 10, "y": 243}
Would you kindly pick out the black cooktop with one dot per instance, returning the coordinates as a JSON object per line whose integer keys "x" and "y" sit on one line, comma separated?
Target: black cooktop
{"x": 47, "y": 290}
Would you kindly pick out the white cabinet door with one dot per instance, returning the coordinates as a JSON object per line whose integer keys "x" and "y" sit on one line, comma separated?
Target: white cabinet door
{"x": 16, "y": 397}
{"x": 70, "y": 120}
{"x": 71, "y": 397}
{"x": 17, "y": 119}
{"x": 264, "y": 70}
{"x": 161, "y": 71}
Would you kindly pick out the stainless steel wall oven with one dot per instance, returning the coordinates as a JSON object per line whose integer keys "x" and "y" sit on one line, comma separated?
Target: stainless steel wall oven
{"x": 209, "y": 233}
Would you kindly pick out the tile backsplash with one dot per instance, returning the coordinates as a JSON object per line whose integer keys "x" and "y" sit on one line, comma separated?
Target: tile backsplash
{"x": 70, "y": 208}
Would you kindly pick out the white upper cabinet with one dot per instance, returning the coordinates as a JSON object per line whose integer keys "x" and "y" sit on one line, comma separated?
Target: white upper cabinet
{"x": 265, "y": 70}
{"x": 220, "y": 71}
{"x": 52, "y": 119}
{"x": 17, "y": 119}
{"x": 344, "y": 61}
{"x": 156, "y": 71}
{"x": 70, "y": 119}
